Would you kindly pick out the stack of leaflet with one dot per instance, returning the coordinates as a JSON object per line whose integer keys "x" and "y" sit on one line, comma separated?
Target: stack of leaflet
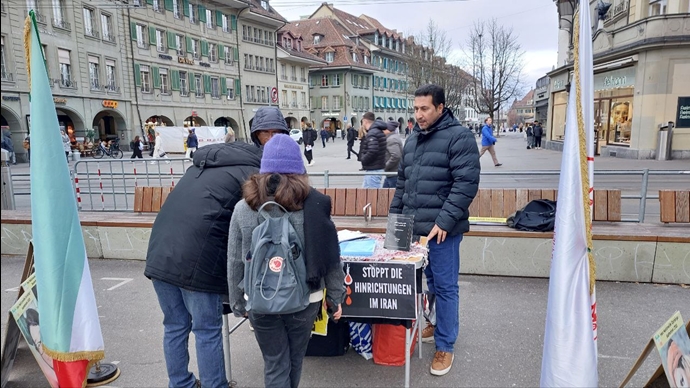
{"x": 363, "y": 247}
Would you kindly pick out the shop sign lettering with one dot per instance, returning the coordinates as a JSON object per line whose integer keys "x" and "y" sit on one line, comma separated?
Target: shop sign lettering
{"x": 683, "y": 115}
{"x": 59, "y": 100}
{"x": 10, "y": 98}
{"x": 185, "y": 60}
{"x": 165, "y": 56}
{"x": 204, "y": 64}
{"x": 110, "y": 104}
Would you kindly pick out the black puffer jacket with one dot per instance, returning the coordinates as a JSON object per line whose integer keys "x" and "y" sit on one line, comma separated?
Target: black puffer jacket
{"x": 438, "y": 177}
{"x": 189, "y": 240}
{"x": 373, "y": 148}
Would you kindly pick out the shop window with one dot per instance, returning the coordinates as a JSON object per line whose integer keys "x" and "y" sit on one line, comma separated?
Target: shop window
{"x": 621, "y": 121}
{"x": 560, "y": 101}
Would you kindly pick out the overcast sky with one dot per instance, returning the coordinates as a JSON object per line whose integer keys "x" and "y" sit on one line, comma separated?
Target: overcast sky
{"x": 534, "y": 21}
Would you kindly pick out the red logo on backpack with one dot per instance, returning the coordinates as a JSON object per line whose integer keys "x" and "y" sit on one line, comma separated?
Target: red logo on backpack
{"x": 275, "y": 264}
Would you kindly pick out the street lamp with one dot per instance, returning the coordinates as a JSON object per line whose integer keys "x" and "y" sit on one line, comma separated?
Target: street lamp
{"x": 566, "y": 12}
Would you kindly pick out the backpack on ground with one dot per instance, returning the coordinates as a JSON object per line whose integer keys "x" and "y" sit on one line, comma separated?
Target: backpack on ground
{"x": 275, "y": 271}
{"x": 537, "y": 216}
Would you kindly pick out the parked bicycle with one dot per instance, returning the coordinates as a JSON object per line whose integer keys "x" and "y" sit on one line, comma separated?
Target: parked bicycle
{"x": 113, "y": 150}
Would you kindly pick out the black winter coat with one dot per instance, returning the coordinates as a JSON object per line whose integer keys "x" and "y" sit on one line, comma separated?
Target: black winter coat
{"x": 309, "y": 136}
{"x": 438, "y": 177}
{"x": 188, "y": 246}
{"x": 373, "y": 148}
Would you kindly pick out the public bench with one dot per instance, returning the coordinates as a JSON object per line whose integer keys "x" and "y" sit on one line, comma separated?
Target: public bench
{"x": 675, "y": 206}
{"x": 150, "y": 199}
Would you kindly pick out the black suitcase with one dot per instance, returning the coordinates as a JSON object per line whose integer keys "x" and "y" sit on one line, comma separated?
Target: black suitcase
{"x": 334, "y": 344}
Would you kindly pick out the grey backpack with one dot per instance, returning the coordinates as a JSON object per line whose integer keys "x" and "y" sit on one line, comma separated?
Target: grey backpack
{"x": 274, "y": 270}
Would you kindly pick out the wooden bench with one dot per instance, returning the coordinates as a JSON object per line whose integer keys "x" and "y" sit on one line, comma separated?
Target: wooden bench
{"x": 675, "y": 206}
{"x": 150, "y": 199}
{"x": 488, "y": 202}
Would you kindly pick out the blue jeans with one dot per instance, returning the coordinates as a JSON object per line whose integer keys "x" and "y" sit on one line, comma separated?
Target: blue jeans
{"x": 198, "y": 312}
{"x": 283, "y": 340}
{"x": 372, "y": 181}
{"x": 390, "y": 182}
{"x": 442, "y": 280}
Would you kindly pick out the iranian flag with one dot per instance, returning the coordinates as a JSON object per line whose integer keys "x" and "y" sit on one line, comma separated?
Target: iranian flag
{"x": 570, "y": 339}
{"x": 70, "y": 330}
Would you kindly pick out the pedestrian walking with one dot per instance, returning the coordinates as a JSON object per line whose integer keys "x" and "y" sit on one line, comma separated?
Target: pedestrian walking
{"x": 351, "y": 137}
{"x": 394, "y": 150}
{"x": 489, "y": 141}
{"x": 332, "y": 133}
{"x": 438, "y": 179}
{"x": 186, "y": 260}
{"x": 309, "y": 138}
{"x": 324, "y": 136}
{"x": 137, "y": 146}
{"x": 283, "y": 338}
{"x": 372, "y": 153}
{"x": 192, "y": 143}
{"x": 66, "y": 144}
{"x": 538, "y": 133}
{"x": 8, "y": 146}
{"x": 158, "y": 150}
{"x": 529, "y": 134}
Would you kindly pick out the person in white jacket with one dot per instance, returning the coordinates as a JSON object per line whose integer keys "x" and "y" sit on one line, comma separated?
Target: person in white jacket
{"x": 158, "y": 151}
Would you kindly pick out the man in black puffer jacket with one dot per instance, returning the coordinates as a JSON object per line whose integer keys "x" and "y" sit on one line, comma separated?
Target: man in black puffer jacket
{"x": 372, "y": 153}
{"x": 438, "y": 178}
{"x": 187, "y": 253}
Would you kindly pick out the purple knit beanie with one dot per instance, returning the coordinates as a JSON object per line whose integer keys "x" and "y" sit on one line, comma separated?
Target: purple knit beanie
{"x": 282, "y": 156}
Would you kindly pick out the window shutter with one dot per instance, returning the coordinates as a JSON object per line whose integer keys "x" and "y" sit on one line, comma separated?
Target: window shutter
{"x": 149, "y": 2}
{"x": 207, "y": 83}
{"x": 238, "y": 87}
{"x": 223, "y": 86}
{"x": 137, "y": 75}
{"x": 188, "y": 48}
{"x": 202, "y": 14}
{"x": 233, "y": 25}
{"x": 169, "y": 5}
{"x": 156, "y": 77}
{"x": 171, "y": 40}
{"x": 204, "y": 48}
{"x": 219, "y": 19}
{"x": 133, "y": 30}
{"x": 152, "y": 35}
{"x": 175, "y": 79}
{"x": 185, "y": 7}
{"x": 192, "y": 85}
{"x": 221, "y": 52}
{"x": 237, "y": 53}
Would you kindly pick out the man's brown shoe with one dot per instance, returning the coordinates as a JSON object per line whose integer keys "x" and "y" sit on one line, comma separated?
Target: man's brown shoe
{"x": 428, "y": 333}
{"x": 442, "y": 363}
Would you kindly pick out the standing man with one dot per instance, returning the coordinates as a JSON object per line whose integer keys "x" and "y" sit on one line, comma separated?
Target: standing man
{"x": 538, "y": 132}
{"x": 9, "y": 147}
{"x": 324, "y": 136}
{"x": 394, "y": 148}
{"x": 192, "y": 143}
{"x": 187, "y": 252}
{"x": 309, "y": 138}
{"x": 488, "y": 141}
{"x": 351, "y": 137}
{"x": 437, "y": 181}
{"x": 372, "y": 153}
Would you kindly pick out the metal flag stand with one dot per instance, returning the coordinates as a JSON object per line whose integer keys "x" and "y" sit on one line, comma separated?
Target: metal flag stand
{"x": 226, "y": 343}
{"x": 102, "y": 373}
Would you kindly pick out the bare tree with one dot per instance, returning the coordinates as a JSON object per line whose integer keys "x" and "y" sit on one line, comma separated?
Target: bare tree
{"x": 427, "y": 62}
{"x": 493, "y": 57}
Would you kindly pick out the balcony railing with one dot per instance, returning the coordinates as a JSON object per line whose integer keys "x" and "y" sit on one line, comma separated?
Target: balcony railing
{"x": 96, "y": 85}
{"x": 293, "y": 105}
{"x": 293, "y": 78}
{"x": 61, "y": 23}
{"x": 112, "y": 88}
{"x": 303, "y": 79}
{"x": 66, "y": 83}
{"x": 92, "y": 33}
{"x": 284, "y": 77}
{"x": 184, "y": 93}
{"x": 229, "y": 61}
{"x": 39, "y": 18}
{"x": 199, "y": 94}
{"x": 180, "y": 52}
{"x": 7, "y": 76}
{"x": 108, "y": 37}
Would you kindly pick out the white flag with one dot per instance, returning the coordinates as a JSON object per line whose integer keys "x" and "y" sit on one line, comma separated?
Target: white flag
{"x": 570, "y": 349}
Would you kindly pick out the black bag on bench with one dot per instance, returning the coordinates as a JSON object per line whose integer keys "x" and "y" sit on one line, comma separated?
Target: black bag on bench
{"x": 537, "y": 216}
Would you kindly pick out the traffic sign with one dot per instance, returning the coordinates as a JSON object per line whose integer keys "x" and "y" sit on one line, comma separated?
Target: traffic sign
{"x": 274, "y": 95}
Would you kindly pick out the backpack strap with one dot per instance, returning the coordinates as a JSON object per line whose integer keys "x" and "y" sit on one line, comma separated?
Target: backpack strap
{"x": 263, "y": 213}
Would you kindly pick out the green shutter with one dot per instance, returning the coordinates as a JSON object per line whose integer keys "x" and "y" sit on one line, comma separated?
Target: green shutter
{"x": 233, "y": 22}
{"x": 223, "y": 86}
{"x": 156, "y": 77}
{"x": 192, "y": 85}
{"x": 204, "y": 48}
{"x": 207, "y": 83}
{"x": 185, "y": 7}
{"x": 137, "y": 75}
{"x": 188, "y": 48}
{"x": 175, "y": 79}
{"x": 169, "y": 5}
{"x": 237, "y": 53}
{"x": 149, "y": 2}
{"x": 221, "y": 52}
{"x": 133, "y": 30}
{"x": 219, "y": 19}
{"x": 238, "y": 87}
{"x": 202, "y": 14}
{"x": 171, "y": 40}
{"x": 152, "y": 35}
